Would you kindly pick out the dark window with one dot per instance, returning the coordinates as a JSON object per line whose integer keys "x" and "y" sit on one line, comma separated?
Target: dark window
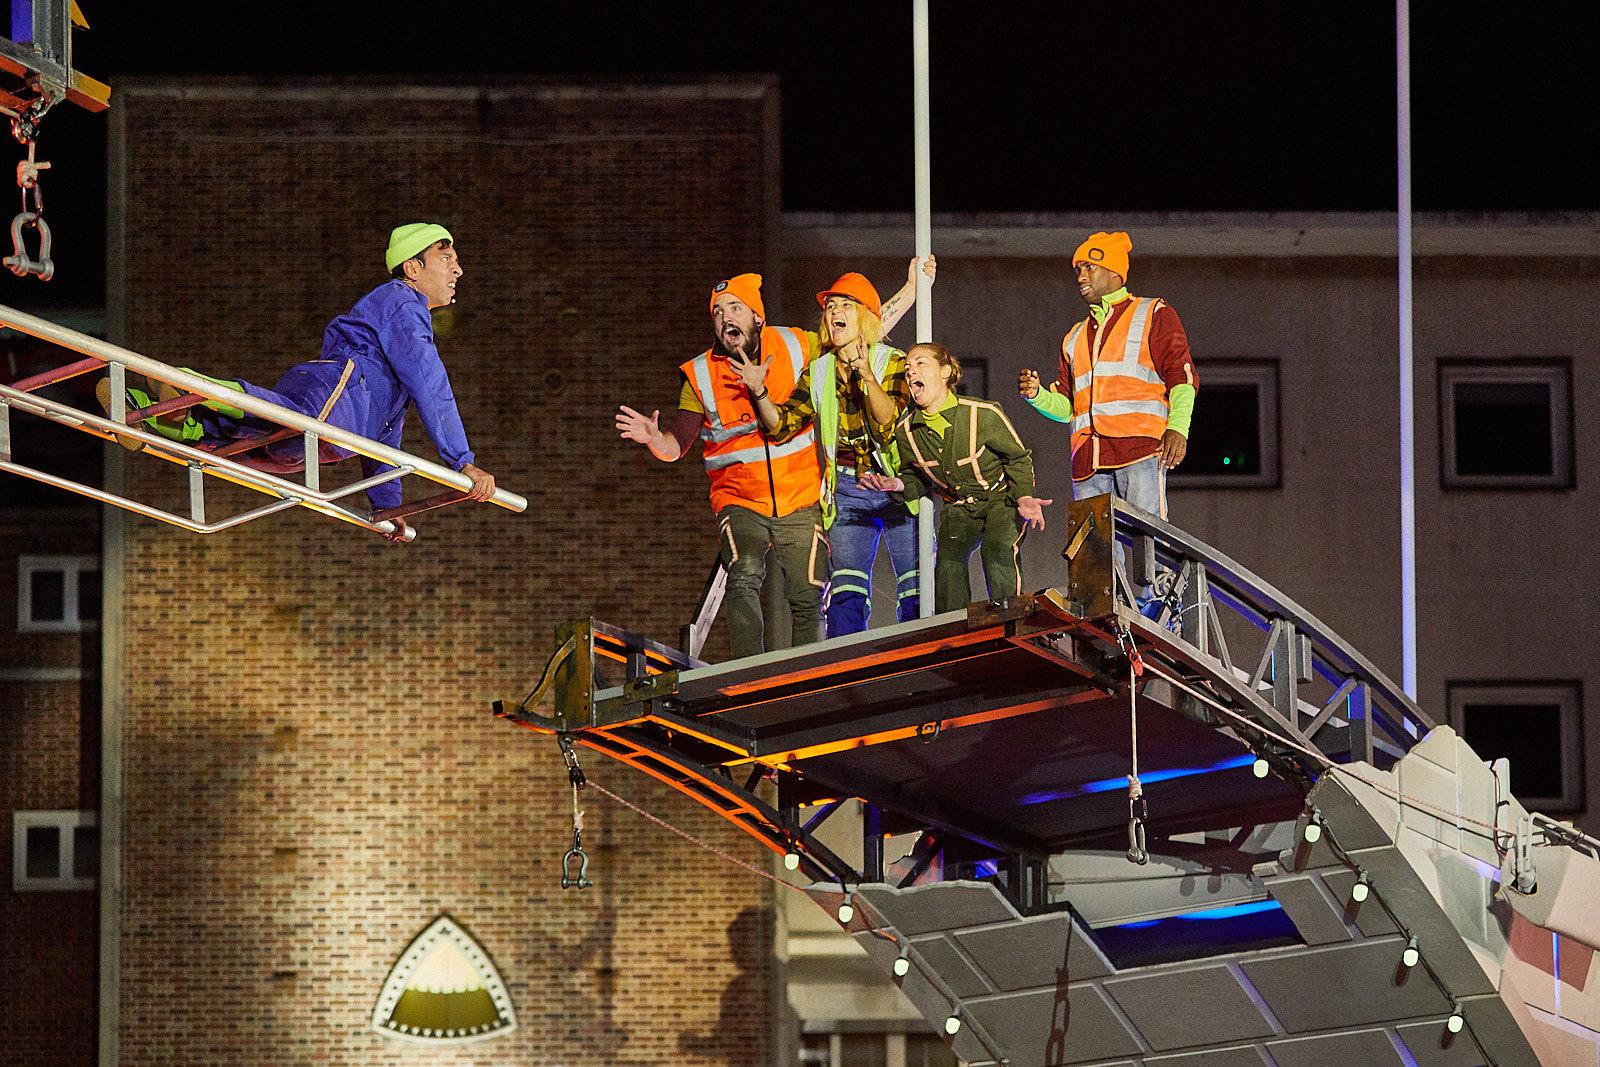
{"x": 1529, "y": 735}
{"x": 88, "y": 596}
{"x": 1226, "y": 435}
{"x": 86, "y": 851}
{"x": 44, "y": 852}
{"x": 1537, "y": 726}
{"x": 48, "y": 598}
{"x": 1233, "y": 437}
{"x": 1503, "y": 429}
{"x": 1505, "y": 425}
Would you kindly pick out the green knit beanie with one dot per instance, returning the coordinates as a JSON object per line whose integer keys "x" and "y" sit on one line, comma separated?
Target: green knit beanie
{"x": 406, "y": 241}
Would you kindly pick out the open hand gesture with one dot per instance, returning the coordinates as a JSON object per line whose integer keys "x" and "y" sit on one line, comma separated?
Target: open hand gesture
{"x": 1031, "y": 508}
{"x": 636, "y": 427}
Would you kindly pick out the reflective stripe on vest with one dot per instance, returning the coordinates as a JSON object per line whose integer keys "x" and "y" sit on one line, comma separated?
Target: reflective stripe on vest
{"x": 756, "y": 453}
{"x": 1118, "y": 395}
{"x": 745, "y": 467}
{"x": 825, "y": 412}
{"x": 713, "y": 430}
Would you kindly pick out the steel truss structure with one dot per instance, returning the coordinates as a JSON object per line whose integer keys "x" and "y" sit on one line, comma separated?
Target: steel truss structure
{"x": 833, "y": 720}
{"x": 22, "y": 396}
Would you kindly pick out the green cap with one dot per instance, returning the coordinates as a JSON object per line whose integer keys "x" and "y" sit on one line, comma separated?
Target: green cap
{"x": 406, "y": 241}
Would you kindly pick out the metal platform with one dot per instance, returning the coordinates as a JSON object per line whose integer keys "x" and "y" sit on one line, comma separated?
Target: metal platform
{"x": 999, "y": 726}
{"x": 1002, "y": 736}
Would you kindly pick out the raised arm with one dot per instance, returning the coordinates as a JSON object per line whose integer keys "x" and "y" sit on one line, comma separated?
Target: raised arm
{"x": 896, "y": 306}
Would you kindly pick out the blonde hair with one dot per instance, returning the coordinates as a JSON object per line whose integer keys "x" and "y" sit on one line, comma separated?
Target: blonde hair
{"x": 871, "y": 325}
{"x": 942, "y": 356}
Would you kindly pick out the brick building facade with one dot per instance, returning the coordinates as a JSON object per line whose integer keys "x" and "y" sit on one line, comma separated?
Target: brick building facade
{"x": 302, "y": 769}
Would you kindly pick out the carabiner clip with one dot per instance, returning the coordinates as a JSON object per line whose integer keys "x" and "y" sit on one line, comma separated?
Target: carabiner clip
{"x": 579, "y": 878}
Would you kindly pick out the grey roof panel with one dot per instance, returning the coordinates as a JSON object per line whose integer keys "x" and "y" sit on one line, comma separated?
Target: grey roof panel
{"x": 1046, "y": 1029}
{"x": 1034, "y": 953}
{"x": 1309, "y": 910}
{"x": 1364, "y": 1048}
{"x": 1343, "y": 986}
{"x": 1244, "y": 1056}
{"x": 949, "y": 964}
{"x": 925, "y": 909}
{"x": 1179, "y": 1008}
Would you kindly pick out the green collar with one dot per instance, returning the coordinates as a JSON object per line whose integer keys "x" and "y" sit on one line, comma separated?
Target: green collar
{"x": 927, "y": 418}
{"x": 1102, "y": 310}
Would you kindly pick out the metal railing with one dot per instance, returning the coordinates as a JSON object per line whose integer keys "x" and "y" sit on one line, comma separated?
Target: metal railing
{"x": 309, "y": 494}
{"x": 1314, "y": 682}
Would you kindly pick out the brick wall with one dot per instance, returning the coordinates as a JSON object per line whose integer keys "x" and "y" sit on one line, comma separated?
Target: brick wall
{"x": 49, "y": 760}
{"x": 311, "y": 771}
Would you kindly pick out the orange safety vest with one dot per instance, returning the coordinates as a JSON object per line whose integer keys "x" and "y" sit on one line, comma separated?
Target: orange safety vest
{"x": 745, "y": 467}
{"x": 1116, "y": 391}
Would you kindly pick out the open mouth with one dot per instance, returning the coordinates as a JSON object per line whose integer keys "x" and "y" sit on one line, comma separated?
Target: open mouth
{"x": 917, "y": 385}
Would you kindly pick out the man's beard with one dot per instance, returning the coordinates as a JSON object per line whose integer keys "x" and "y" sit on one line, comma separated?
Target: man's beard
{"x": 750, "y": 351}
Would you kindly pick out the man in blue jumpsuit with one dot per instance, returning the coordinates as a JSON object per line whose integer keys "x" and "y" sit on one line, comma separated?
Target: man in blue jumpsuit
{"x": 377, "y": 360}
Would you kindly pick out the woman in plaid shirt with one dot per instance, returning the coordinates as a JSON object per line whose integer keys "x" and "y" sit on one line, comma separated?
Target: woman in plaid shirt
{"x": 854, "y": 393}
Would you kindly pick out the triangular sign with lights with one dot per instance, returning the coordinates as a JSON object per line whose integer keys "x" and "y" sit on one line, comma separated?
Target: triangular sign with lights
{"x": 444, "y": 990}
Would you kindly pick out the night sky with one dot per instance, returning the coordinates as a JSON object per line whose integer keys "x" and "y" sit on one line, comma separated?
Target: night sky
{"x": 1184, "y": 106}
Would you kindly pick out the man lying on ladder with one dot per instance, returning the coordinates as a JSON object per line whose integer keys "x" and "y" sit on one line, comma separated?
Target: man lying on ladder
{"x": 377, "y": 361}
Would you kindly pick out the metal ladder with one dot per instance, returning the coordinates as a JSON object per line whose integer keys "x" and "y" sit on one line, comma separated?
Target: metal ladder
{"x": 99, "y": 355}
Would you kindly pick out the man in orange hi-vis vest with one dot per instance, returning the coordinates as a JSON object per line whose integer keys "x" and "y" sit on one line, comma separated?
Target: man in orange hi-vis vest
{"x": 1125, "y": 382}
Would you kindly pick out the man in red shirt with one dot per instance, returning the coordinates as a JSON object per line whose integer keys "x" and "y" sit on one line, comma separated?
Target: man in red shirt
{"x": 1125, "y": 382}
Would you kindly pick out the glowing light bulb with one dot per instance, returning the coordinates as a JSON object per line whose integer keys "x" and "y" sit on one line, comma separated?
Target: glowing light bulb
{"x": 1412, "y": 955}
{"x": 1259, "y": 768}
{"x": 1359, "y": 891}
{"x": 1313, "y": 831}
{"x": 791, "y": 861}
{"x": 1455, "y": 1022}
{"x": 952, "y": 1025}
{"x": 902, "y": 967}
{"x": 846, "y": 912}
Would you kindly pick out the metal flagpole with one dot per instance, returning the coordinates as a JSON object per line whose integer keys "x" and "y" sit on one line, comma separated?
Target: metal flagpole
{"x": 924, "y": 226}
{"x": 1408, "y": 472}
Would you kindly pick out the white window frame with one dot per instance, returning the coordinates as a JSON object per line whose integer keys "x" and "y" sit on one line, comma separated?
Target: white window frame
{"x": 1565, "y": 695}
{"x": 1263, "y": 374}
{"x": 71, "y": 567}
{"x": 1555, "y": 373}
{"x": 65, "y": 822}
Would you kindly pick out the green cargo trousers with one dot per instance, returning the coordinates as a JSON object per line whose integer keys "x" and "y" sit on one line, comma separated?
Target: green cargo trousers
{"x": 803, "y": 557}
{"x": 991, "y": 525}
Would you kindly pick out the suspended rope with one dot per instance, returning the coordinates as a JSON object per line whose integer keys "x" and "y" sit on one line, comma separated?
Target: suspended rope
{"x": 575, "y": 863}
{"x": 1138, "y": 809}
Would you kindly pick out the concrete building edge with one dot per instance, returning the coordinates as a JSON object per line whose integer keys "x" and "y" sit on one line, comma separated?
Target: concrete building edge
{"x": 112, "y": 560}
{"x": 736, "y": 87}
{"x": 1204, "y": 236}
